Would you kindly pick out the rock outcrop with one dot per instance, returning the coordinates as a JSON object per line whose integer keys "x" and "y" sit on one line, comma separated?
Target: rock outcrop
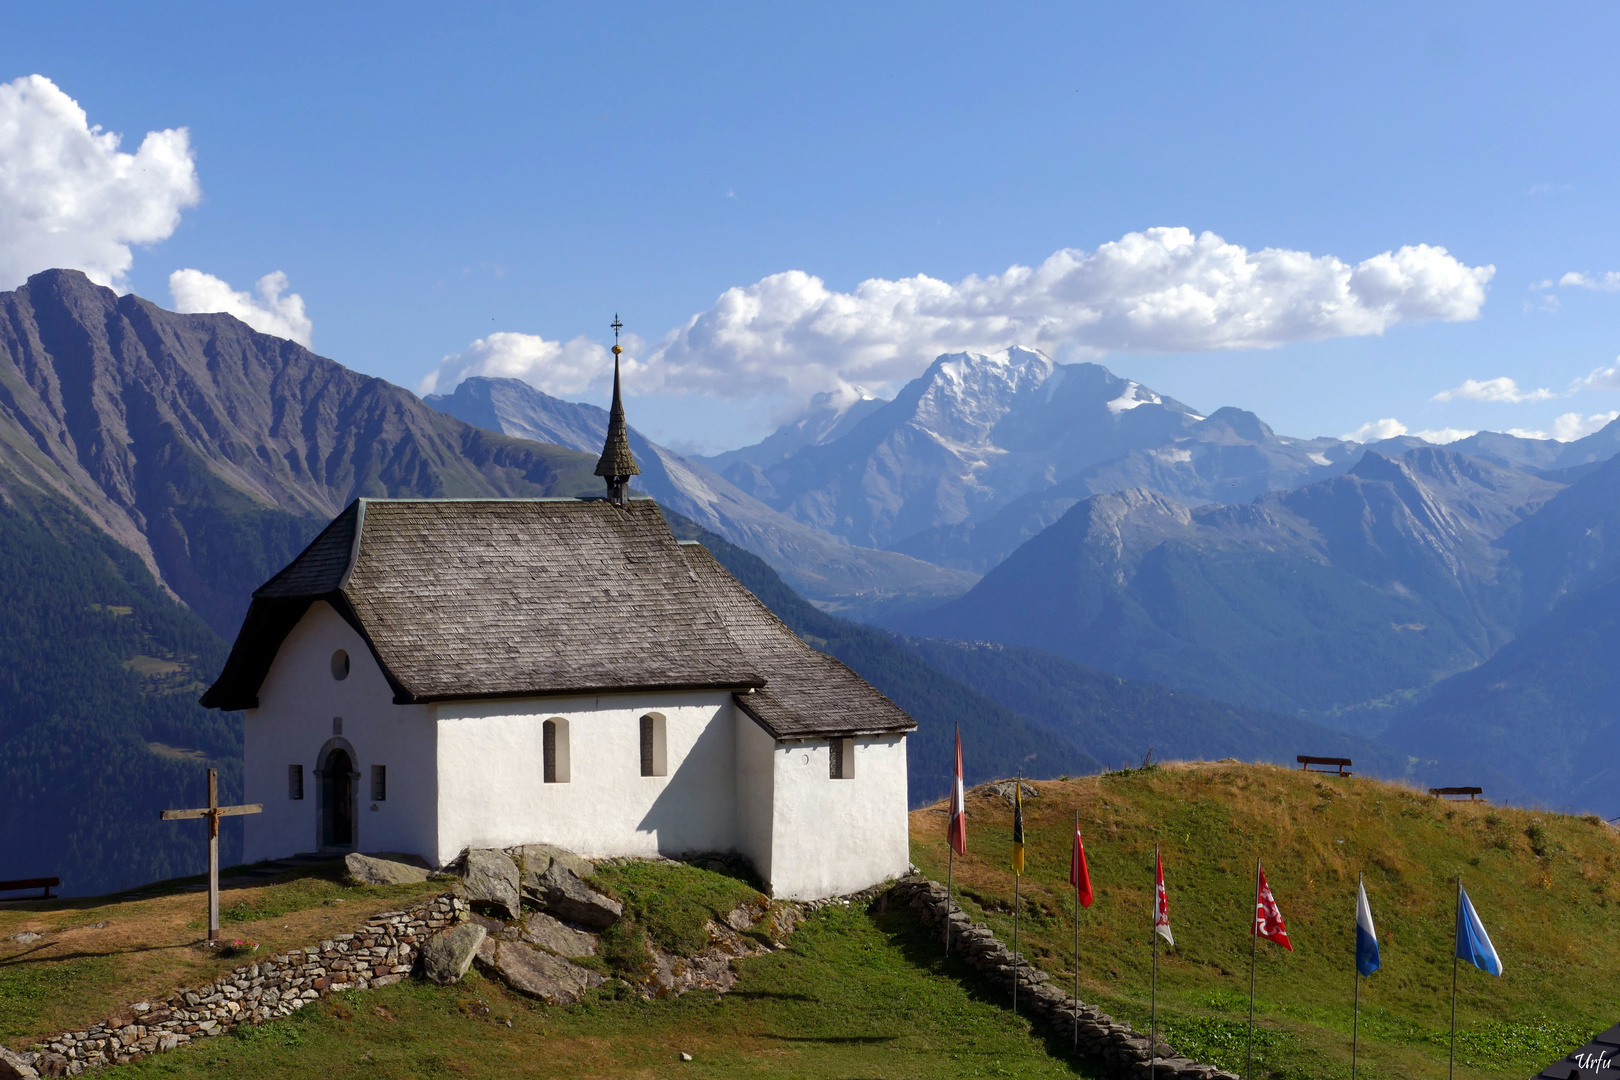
{"x": 447, "y": 955}
{"x": 386, "y": 868}
{"x": 559, "y": 892}
{"x": 535, "y": 972}
{"x": 489, "y": 879}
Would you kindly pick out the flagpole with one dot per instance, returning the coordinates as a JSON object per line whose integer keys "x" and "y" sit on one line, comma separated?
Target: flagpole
{"x": 1018, "y": 794}
{"x": 950, "y": 869}
{"x": 1451, "y": 1068}
{"x": 1254, "y": 953}
{"x": 1153, "y": 1023}
{"x": 1076, "y": 940}
{"x": 1355, "y": 1030}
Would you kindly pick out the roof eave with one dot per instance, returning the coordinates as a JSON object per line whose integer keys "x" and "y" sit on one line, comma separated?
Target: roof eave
{"x": 733, "y": 687}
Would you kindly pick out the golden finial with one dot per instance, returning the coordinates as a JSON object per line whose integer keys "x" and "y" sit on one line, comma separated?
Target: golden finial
{"x": 617, "y": 326}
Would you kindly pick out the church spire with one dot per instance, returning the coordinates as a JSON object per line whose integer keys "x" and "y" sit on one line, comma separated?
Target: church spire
{"x": 617, "y": 464}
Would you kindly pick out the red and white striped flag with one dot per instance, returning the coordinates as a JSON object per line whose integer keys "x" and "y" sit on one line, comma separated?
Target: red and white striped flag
{"x": 1079, "y": 872}
{"x": 1268, "y": 921}
{"x": 1161, "y": 904}
{"x": 956, "y": 831}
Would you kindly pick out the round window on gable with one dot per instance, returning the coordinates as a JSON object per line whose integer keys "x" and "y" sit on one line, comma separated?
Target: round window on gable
{"x": 340, "y": 665}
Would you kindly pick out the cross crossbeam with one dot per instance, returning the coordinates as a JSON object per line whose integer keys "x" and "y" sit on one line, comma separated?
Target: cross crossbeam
{"x": 213, "y": 812}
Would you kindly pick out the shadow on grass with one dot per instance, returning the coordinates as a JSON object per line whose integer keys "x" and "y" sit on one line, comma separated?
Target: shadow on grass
{"x": 770, "y": 995}
{"x": 920, "y": 947}
{"x": 22, "y": 959}
{"x": 837, "y": 1040}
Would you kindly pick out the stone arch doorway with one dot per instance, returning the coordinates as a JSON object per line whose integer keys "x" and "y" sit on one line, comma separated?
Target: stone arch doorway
{"x": 338, "y": 783}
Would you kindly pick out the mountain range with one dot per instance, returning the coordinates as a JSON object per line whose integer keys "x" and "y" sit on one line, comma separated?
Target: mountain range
{"x": 963, "y": 448}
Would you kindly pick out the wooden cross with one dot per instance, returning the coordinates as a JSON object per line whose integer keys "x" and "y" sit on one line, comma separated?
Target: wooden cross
{"x": 213, "y": 812}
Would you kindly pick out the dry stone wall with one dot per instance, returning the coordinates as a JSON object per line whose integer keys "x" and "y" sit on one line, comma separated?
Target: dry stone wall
{"x": 1101, "y": 1037}
{"x": 380, "y": 953}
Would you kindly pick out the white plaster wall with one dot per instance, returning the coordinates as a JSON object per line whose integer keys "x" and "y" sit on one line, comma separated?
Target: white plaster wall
{"x": 491, "y": 776}
{"x": 756, "y": 792}
{"x": 297, "y": 702}
{"x": 838, "y": 836}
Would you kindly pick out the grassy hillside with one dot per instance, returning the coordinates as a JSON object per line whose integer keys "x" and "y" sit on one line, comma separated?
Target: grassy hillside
{"x": 1542, "y": 883}
{"x": 851, "y": 995}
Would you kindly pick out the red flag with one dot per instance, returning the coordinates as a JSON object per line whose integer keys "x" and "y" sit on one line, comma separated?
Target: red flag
{"x": 1161, "y": 903}
{"x": 1268, "y": 921}
{"x": 1079, "y": 872}
{"x": 956, "y": 831}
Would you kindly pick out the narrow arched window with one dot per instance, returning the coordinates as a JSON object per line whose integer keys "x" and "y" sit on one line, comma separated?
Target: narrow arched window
{"x": 554, "y": 749}
{"x": 654, "y": 760}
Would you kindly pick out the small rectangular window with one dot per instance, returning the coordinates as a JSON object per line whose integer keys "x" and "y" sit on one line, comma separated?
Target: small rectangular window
{"x": 379, "y": 783}
{"x": 295, "y": 781}
{"x": 841, "y": 759}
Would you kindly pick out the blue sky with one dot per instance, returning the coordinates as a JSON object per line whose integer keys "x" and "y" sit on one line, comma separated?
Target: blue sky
{"x": 426, "y": 176}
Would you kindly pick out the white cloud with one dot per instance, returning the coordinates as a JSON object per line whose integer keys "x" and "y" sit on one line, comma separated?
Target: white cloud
{"x": 1390, "y": 428}
{"x": 270, "y": 312}
{"x": 1569, "y": 427}
{"x": 1441, "y": 436}
{"x": 70, "y": 198}
{"x": 560, "y": 368}
{"x": 1162, "y": 290}
{"x": 1502, "y": 390}
{"x": 1373, "y": 430}
{"x": 1603, "y": 378}
{"x": 1606, "y": 282}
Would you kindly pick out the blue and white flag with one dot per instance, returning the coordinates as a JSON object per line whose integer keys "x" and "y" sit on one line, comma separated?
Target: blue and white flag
{"x": 1366, "y": 936}
{"x": 1473, "y": 943}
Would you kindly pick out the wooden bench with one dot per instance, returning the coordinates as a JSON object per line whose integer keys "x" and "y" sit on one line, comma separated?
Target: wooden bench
{"x": 45, "y": 883}
{"x": 1456, "y": 792}
{"x": 1335, "y": 765}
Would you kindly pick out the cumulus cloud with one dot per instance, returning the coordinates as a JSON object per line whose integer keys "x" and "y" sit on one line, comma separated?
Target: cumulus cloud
{"x": 1502, "y": 390}
{"x": 1162, "y": 290}
{"x": 1605, "y": 282}
{"x": 1569, "y": 427}
{"x": 270, "y": 312}
{"x": 1390, "y": 428}
{"x": 557, "y": 367}
{"x": 70, "y": 197}
{"x": 1603, "y": 378}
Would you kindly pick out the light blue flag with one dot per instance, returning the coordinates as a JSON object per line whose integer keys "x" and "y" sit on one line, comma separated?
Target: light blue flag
{"x": 1473, "y": 943}
{"x": 1366, "y": 936}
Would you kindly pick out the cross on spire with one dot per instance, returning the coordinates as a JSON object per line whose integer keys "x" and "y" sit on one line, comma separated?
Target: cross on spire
{"x": 617, "y": 464}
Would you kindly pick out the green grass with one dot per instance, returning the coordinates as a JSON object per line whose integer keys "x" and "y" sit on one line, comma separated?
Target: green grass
{"x": 852, "y": 996}
{"x": 1542, "y": 883}
{"x": 673, "y": 902}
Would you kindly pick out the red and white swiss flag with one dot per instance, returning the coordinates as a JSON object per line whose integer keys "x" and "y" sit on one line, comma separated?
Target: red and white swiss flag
{"x": 1268, "y": 921}
{"x": 1161, "y": 901}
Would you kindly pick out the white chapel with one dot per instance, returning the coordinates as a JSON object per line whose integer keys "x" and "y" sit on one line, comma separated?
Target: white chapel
{"x": 436, "y": 674}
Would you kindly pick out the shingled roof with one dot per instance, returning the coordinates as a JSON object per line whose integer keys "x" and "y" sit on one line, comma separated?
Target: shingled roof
{"x": 500, "y": 598}
{"x": 807, "y": 693}
{"x": 526, "y": 597}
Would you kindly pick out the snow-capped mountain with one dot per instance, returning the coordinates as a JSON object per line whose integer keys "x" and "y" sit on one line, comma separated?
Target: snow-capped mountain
{"x": 977, "y": 433}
